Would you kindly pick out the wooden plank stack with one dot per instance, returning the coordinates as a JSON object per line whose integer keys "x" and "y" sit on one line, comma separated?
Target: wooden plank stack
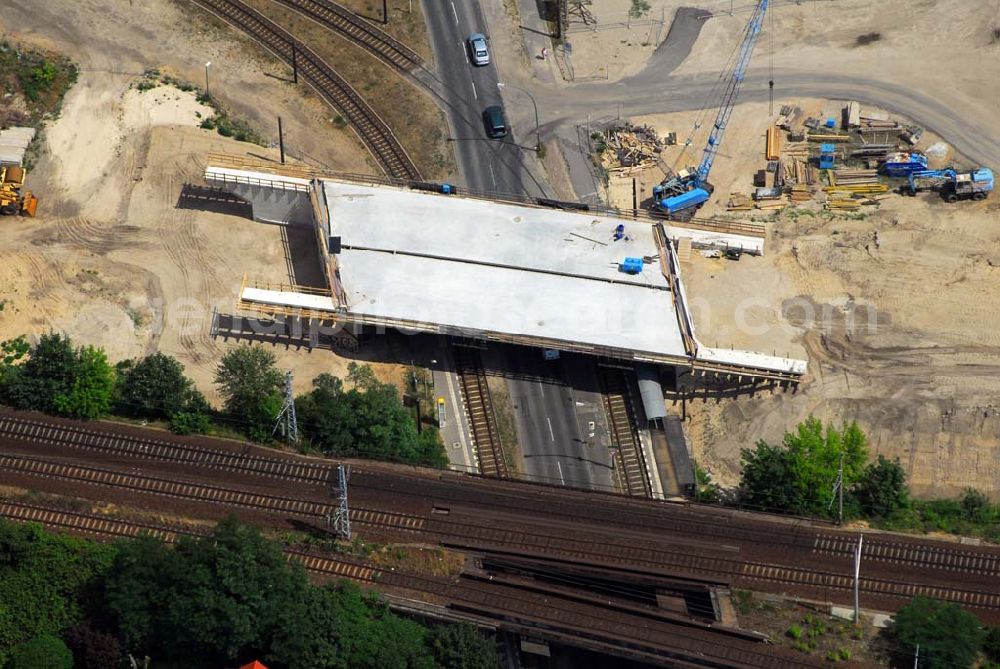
{"x": 773, "y": 146}
{"x": 800, "y": 193}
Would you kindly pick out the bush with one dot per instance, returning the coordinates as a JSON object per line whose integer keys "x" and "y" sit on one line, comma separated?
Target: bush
{"x": 794, "y": 632}
{"x": 42, "y": 652}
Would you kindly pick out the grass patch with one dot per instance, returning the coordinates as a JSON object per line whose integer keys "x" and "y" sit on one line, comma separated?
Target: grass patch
{"x": 972, "y": 514}
{"x": 867, "y": 38}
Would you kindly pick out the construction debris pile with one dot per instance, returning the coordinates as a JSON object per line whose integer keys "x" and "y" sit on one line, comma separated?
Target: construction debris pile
{"x": 628, "y": 149}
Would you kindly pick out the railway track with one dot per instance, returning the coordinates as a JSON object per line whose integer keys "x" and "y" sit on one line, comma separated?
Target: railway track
{"x": 525, "y": 609}
{"x": 344, "y": 22}
{"x": 22, "y": 428}
{"x": 960, "y": 573}
{"x": 624, "y": 435}
{"x": 370, "y": 128}
{"x": 479, "y": 410}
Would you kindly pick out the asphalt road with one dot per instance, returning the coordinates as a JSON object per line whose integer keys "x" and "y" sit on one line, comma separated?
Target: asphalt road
{"x": 464, "y": 91}
{"x": 560, "y": 419}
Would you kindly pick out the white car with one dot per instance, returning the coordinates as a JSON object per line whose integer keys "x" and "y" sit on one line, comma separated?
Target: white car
{"x": 477, "y": 49}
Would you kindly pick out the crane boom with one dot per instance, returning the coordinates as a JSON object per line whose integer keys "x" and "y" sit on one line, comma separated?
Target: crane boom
{"x": 690, "y": 188}
{"x": 732, "y": 90}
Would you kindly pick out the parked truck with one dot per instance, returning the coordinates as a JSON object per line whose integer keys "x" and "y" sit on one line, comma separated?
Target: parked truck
{"x": 953, "y": 185}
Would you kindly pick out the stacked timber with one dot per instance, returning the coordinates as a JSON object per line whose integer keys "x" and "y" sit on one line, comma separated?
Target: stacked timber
{"x": 848, "y": 177}
{"x": 773, "y": 144}
{"x": 800, "y": 193}
{"x": 739, "y": 202}
{"x": 828, "y": 137}
{"x": 630, "y": 148}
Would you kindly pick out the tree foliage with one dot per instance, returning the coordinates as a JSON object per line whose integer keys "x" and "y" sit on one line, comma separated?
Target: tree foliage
{"x": 93, "y": 648}
{"x": 60, "y": 379}
{"x": 153, "y": 387}
{"x": 882, "y": 490}
{"x": 799, "y": 475}
{"x": 462, "y": 647}
{"x": 42, "y": 652}
{"x": 92, "y": 389}
{"x": 250, "y": 384}
{"x": 156, "y": 387}
{"x": 948, "y": 635}
{"x": 367, "y": 420}
{"x": 42, "y": 581}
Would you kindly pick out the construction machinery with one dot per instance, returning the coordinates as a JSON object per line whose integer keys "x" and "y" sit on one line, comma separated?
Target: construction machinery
{"x": 12, "y": 200}
{"x": 689, "y": 188}
{"x": 953, "y": 185}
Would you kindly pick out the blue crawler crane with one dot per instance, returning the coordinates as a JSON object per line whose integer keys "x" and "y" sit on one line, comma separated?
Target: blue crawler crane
{"x": 690, "y": 187}
{"x": 954, "y": 185}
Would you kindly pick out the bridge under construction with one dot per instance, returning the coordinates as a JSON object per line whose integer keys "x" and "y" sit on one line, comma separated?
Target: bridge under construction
{"x": 412, "y": 257}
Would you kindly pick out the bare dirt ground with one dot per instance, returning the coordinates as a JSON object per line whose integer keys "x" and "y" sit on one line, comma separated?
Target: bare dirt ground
{"x": 111, "y": 259}
{"x": 900, "y": 335}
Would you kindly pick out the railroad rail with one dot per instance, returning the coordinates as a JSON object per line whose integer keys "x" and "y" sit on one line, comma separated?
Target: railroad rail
{"x": 344, "y": 22}
{"x": 894, "y": 567}
{"x": 369, "y": 126}
{"x": 40, "y": 431}
{"x": 624, "y": 435}
{"x": 479, "y": 409}
{"x": 649, "y": 634}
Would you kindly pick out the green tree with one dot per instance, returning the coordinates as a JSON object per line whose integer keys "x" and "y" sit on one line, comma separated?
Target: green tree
{"x": 948, "y": 635}
{"x": 43, "y": 581}
{"x": 250, "y": 384}
{"x": 92, "y": 390}
{"x": 154, "y": 386}
{"x": 367, "y": 421}
{"x": 42, "y": 652}
{"x": 463, "y": 647}
{"x": 882, "y": 489}
{"x": 48, "y": 373}
{"x": 798, "y": 476}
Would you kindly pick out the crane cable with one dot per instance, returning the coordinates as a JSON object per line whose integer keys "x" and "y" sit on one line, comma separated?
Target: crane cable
{"x": 770, "y": 77}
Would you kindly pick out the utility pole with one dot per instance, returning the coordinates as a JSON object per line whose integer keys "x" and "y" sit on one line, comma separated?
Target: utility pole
{"x": 838, "y": 490}
{"x": 207, "y": 65}
{"x": 916, "y": 658}
{"x": 385, "y": 12}
{"x": 857, "y": 582}
{"x": 287, "y": 420}
{"x": 340, "y": 518}
{"x": 281, "y": 141}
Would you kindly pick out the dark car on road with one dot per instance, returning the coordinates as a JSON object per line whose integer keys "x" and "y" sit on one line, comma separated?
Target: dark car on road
{"x": 496, "y": 124}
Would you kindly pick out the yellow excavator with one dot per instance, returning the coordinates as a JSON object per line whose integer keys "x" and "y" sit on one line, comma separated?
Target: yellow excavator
{"x": 12, "y": 200}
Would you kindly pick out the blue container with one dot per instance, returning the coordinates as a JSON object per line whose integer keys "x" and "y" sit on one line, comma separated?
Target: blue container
{"x": 904, "y": 164}
{"x": 691, "y": 198}
{"x": 447, "y": 189}
{"x": 831, "y": 122}
{"x": 983, "y": 178}
{"x": 631, "y": 266}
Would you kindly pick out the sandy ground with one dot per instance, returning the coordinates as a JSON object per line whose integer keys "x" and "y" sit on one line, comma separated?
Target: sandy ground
{"x": 900, "y": 335}
{"x": 617, "y": 45}
{"x": 111, "y": 259}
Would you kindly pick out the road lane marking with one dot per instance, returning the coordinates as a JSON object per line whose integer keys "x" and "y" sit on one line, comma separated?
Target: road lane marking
{"x": 561, "y": 479}
{"x": 551, "y": 433}
{"x": 474, "y": 92}
{"x": 493, "y": 175}
{"x": 541, "y": 388}
{"x": 454, "y": 13}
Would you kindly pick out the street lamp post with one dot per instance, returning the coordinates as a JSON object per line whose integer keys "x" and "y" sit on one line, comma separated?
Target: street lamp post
{"x": 538, "y": 137}
{"x": 207, "y": 65}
